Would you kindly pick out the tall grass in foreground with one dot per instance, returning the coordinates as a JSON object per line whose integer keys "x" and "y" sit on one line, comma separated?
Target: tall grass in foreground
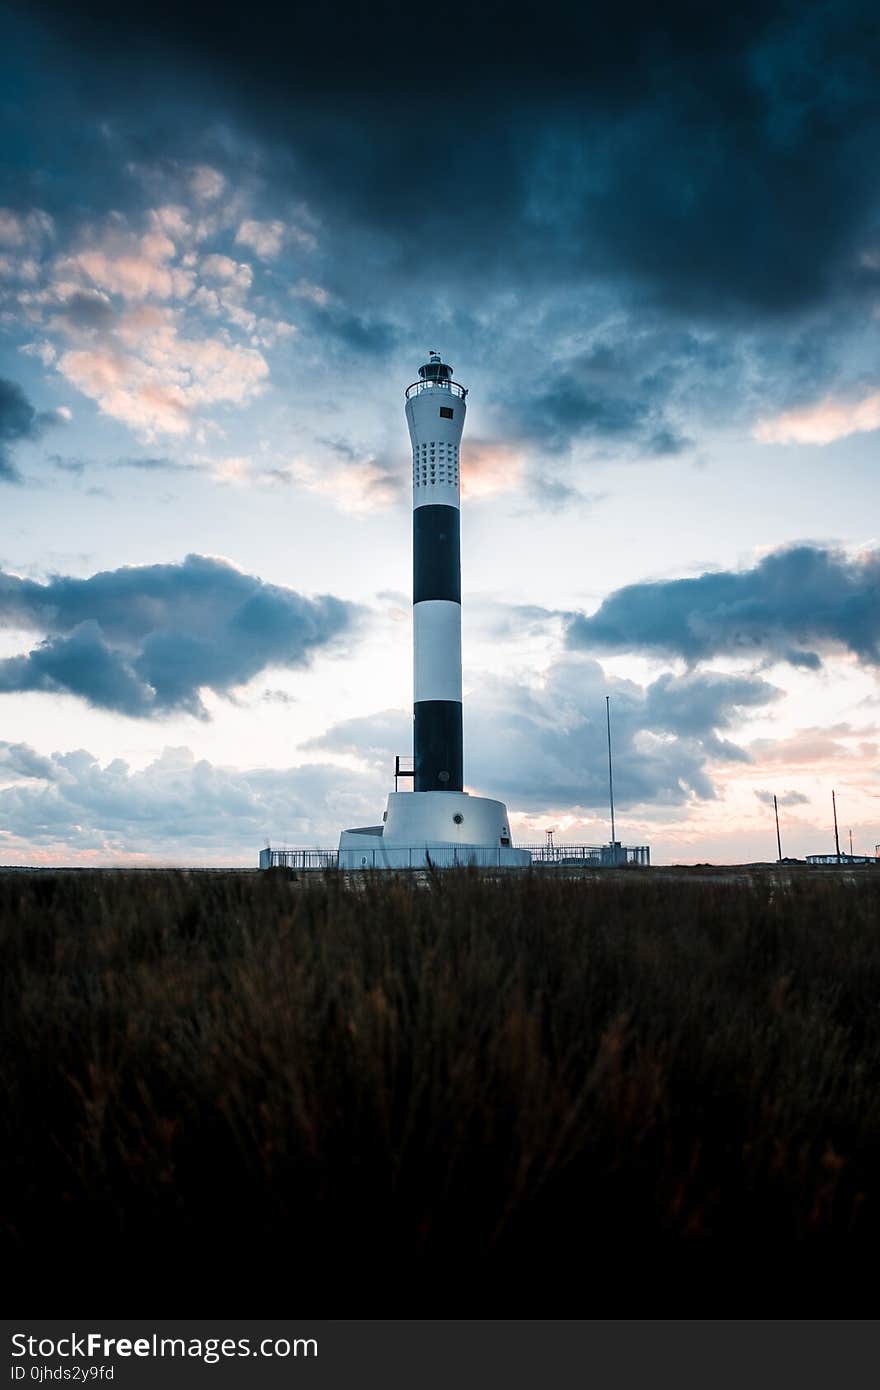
{"x": 532, "y": 1095}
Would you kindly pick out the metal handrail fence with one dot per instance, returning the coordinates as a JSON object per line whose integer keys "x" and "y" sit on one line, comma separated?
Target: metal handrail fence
{"x": 453, "y": 856}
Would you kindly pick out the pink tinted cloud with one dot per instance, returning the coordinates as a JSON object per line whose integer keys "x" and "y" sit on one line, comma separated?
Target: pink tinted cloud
{"x": 153, "y": 377}
{"x": 360, "y": 486}
{"x": 489, "y": 467}
{"x": 818, "y": 749}
{"x": 135, "y": 267}
{"x": 822, "y": 423}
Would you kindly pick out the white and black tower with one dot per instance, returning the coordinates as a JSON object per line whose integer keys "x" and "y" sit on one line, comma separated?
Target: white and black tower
{"x": 435, "y": 412}
{"x": 438, "y": 821}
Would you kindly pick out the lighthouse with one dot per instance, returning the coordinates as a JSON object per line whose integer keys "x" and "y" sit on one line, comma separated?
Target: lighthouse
{"x": 438, "y": 822}
{"x": 435, "y": 413}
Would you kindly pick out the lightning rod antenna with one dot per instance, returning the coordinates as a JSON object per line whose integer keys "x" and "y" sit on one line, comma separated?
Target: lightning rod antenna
{"x": 610, "y": 775}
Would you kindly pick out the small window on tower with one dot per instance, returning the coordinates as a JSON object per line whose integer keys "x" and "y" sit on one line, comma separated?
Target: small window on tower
{"x": 445, "y": 412}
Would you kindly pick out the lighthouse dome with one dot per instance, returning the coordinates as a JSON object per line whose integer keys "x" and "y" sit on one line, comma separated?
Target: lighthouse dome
{"x": 435, "y": 369}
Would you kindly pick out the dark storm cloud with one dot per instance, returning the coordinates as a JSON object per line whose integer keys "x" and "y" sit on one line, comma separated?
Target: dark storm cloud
{"x": 719, "y": 157}
{"x": 20, "y": 422}
{"x": 548, "y": 744}
{"x": 617, "y": 393}
{"x": 145, "y": 640}
{"x": 567, "y": 410}
{"x": 354, "y": 333}
{"x": 793, "y": 605}
{"x": 638, "y": 166}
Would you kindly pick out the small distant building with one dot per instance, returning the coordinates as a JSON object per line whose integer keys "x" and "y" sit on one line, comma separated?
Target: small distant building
{"x": 841, "y": 859}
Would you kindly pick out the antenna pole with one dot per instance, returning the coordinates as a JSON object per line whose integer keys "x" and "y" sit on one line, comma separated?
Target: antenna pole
{"x": 850, "y": 845}
{"x": 778, "y": 841}
{"x": 836, "y": 836}
{"x": 610, "y": 775}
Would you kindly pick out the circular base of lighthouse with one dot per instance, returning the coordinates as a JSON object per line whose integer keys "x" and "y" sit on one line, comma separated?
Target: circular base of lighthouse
{"x": 441, "y": 828}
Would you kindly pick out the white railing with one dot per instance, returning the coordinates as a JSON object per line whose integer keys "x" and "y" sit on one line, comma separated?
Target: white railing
{"x": 418, "y": 387}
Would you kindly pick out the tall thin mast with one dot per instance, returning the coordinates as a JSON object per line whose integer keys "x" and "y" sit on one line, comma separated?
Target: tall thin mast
{"x": 778, "y": 841}
{"x": 836, "y": 836}
{"x": 610, "y": 775}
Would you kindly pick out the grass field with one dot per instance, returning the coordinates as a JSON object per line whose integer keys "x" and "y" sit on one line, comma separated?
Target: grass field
{"x": 538, "y": 1095}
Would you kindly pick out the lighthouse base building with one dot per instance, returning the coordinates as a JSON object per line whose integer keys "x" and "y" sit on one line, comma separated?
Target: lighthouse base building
{"x": 440, "y": 828}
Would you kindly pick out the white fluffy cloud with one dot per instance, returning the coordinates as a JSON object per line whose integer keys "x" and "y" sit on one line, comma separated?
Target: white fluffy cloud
{"x": 267, "y": 238}
{"x": 542, "y": 746}
{"x": 69, "y": 808}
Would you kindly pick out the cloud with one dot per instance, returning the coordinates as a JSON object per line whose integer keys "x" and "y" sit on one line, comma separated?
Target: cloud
{"x": 553, "y": 495}
{"x": 644, "y": 239}
{"x": 791, "y": 606}
{"x": 153, "y": 378}
{"x": 544, "y": 746}
{"x": 207, "y": 184}
{"x": 314, "y": 294}
{"x": 355, "y": 480}
{"x": 488, "y": 467}
{"x": 20, "y": 760}
{"x": 791, "y": 798}
{"x": 688, "y": 165}
{"x": 265, "y": 238}
{"x": 224, "y": 268}
{"x": 819, "y": 750}
{"x": 20, "y": 422}
{"x": 367, "y": 335}
{"x": 126, "y": 304}
{"x": 823, "y": 423}
{"x": 134, "y": 266}
{"x": 144, "y": 640}
{"x": 178, "y": 808}
{"x": 87, "y": 310}
{"x": 616, "y": 393}
{"x": 24, "y": 230}
{"x": 67, "y": 465}
{"x": 155, "y": 463}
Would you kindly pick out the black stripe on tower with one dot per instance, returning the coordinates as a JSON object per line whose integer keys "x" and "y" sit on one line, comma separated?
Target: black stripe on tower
{"x": 436, "y": 554}
{"x": 437, "y": 742}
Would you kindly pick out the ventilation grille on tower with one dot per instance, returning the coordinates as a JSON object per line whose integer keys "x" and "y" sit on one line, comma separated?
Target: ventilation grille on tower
{"x": 435, "y": 464}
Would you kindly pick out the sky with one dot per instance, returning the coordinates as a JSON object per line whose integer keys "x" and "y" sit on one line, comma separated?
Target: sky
{"x": 648, "y": 240}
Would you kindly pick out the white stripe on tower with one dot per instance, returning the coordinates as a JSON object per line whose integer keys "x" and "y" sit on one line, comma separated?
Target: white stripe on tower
{"x": 437, "y": 650}
{"x": 435, "y": 411}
